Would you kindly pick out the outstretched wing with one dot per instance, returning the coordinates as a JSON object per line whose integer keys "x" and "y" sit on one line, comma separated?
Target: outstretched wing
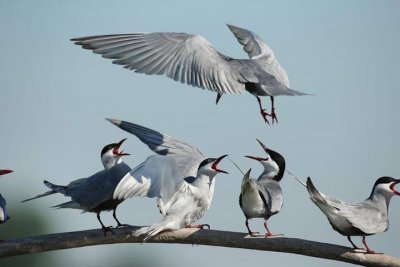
{"x": 258, "y": 50}
{"x": 187, "y": 58}
{"x": 156, "y": 177}
{"x": 186, "y": 156}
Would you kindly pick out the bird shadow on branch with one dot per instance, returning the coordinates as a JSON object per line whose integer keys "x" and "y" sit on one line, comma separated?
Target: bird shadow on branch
{"x": 95, "y": 237}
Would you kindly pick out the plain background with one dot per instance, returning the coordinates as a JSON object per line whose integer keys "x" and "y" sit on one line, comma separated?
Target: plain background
{"x": 54, "y": 97}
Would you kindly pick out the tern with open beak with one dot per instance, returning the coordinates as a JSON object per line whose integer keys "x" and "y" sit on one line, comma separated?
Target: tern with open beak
{"x": 95, "y": 193}
{"x": 362, "y": 219}
{"x": 179, "y": 176}
{"x": 263, "y": 198}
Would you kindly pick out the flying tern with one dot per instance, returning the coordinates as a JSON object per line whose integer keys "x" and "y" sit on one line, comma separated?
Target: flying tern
{"x": 180, "y": 177}
{"x": 362, "y": 219}
{"x": 95, "y": 193}
{"x": 192, "y": 60}
{"x": 263, "y": 197}
{"x": 3, "y": 212}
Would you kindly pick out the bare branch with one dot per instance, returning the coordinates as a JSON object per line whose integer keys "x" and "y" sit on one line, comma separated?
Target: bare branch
{"x": 194, "y": 236}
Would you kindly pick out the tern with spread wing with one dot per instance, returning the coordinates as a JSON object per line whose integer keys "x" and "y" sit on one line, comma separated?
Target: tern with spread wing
{"x": 95, "y": 193}
{"x": 192, "y": 60}
{"x": 362, "y": 219}
{"x": 179, "y": 176}
{"x": 3, "y": 212}
{"x": 263, "y": 198}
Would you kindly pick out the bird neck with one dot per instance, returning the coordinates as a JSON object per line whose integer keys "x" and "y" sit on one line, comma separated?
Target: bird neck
{"x": 204, "y": 180}
{"x": 268, "y": 175}
{"x": 109, "y": 163}
{"x": 381, "y": 200}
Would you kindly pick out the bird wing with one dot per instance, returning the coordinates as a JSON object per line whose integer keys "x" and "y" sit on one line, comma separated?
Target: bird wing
{"x": 97, "y": 188}
{"x": 3, "y": 201}
{"x": 187, "y": 58}
{"x": 258, "y": 50}
{"x": 155, "y": 177}
{"x": 186, "y": 156}
{"x": 364, "y": 217}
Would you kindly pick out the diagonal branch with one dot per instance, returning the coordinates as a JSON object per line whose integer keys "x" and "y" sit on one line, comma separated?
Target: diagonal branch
{"x": 195, "y": 236}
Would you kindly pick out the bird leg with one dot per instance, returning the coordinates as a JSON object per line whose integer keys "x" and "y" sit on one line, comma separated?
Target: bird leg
{"x": 200, "y": 226}
{"x": 269, "y": 234}
{"x": 119, "y": 224}
{"x": 105, "y": 229}
{"x": 248, "y": 229}
{"x": 265, "y": 114}
{"x": 354, "y": 246}
{"x": 369, "y": 251}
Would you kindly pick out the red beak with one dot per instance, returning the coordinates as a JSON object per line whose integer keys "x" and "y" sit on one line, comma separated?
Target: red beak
{"x": 394, "y": 189}
{"x": 215, "y": 164}
{"x": 2, "y": 172}
{"x": 116, "y": 149}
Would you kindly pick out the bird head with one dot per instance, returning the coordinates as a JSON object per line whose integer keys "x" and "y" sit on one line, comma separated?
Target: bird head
{"x": 210, "y": 166}
{"x": 111, "y": 154}
{"x": 386, "y": 186}
{"x": 274, "y": 163}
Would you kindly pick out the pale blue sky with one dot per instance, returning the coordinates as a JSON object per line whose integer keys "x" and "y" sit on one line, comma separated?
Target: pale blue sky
{"x": 55, "y": 96}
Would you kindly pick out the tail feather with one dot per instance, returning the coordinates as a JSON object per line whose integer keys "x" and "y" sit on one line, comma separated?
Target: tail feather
{"x": 57, "y": 188}
{"x": 68, "y": 205}
{"x": 314, "y": 193}
{"x": 154, "y": 229}
{"x": 40, "y": 195}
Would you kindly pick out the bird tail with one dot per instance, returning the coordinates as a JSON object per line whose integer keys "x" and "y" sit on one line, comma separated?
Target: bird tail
{"x": 150, "y": 231}
{"x": 40, "y": 195}
{"x": 68, "y": 205}
{"x": 317, "y": 197}
{"x": 56, "y": 188}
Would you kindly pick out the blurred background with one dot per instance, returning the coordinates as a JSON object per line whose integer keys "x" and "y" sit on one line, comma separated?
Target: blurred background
{"x": 55, "y": 95}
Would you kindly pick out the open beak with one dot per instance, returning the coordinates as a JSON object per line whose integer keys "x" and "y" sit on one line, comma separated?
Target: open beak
{"x": 2, "y": 172}
{"x": 214, "y": 166}
{"x": 262, "y": 145}
{"x": 116, "y": 149}
{"x": 392, "y": 187}
{"x": 255, "y": 158}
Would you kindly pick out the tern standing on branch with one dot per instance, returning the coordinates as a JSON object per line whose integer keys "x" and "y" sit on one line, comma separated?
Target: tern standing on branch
{"x": 263, "y": 198}
{"x": 362, "y": 219}
{"x": 180, "y": 177}
{"x": 95, "y": 193}
{"x": 191, "y": 59}
{"x": 3, "y": 212}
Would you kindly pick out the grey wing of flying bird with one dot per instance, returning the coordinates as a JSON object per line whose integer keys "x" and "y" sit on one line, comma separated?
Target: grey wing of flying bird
{"x": 179, "y": 176}
{"x": 361, "y": 219}
{"x": 95, "y": 193}
{"x": 263, "y": 198}
{"x": 3, "y": 211}
{"x": 192, "y": 60}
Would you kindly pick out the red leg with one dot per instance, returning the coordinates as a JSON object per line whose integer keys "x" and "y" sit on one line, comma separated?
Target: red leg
{"x": 248, "y": 229}
{"x": 262, "y": 111}
{"x": 273, "y": 114}
{"x": 369, "y": 251}
{"x": 200, "y": 226}
{"x": 269, "y": 234}
{"x": 354, "y": 246}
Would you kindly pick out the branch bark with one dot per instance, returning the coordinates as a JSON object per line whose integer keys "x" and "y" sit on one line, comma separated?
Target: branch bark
{"x": 195, "y": 236}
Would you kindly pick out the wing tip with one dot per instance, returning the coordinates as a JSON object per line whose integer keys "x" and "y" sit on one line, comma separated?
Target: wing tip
{"x": 114, "y": 121}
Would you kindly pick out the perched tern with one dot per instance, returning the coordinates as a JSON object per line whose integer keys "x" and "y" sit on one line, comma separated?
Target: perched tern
{"x": 3, "y": 212}
{"x": 191, "y": 59}
{"x": 180, "y": 177}
{"x": 362, "y": 219}
{"x": 263, "y": 197}
{"x": 95, "y": 193}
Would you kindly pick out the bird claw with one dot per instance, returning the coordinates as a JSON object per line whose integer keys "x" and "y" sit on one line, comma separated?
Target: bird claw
{"x": 254, "y": 233}
{"x": 273, "y": 116}
{"x": 265, "y": 115}
{"x": 122, "y": 225}
{"x": 272, "y": 235}
{"x": 108, "y": 230}
{"x": 200, "y": 226}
